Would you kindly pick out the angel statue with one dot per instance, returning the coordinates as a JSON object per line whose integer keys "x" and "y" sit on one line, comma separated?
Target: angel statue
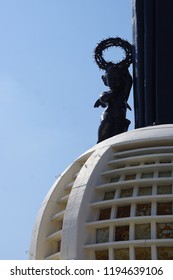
{"x": 119, "y": 81}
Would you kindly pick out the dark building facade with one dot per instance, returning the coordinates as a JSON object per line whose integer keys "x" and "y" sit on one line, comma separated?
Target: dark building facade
{"x": 153, "y": 60}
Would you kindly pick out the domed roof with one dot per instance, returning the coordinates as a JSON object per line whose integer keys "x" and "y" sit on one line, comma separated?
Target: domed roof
{"x": 114, "y": 202}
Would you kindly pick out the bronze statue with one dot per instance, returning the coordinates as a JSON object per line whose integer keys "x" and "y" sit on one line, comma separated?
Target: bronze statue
{"x": 119, "y": 80}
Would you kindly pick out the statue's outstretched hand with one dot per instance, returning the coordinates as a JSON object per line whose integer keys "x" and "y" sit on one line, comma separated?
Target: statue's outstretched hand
{"x": 97, "y": 103}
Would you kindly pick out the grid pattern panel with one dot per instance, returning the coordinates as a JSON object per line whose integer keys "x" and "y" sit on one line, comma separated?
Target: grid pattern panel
{"x": 135, "y": 214}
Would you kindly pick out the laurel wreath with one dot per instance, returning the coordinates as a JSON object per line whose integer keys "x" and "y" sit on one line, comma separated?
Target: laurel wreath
{"x": 113, "y": 42}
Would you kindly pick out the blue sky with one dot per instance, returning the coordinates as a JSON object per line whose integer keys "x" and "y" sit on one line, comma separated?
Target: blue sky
{"x": 49, "y": 83}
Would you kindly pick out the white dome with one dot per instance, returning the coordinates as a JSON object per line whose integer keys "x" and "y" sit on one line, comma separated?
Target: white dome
{"x": 114, "y": 202}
